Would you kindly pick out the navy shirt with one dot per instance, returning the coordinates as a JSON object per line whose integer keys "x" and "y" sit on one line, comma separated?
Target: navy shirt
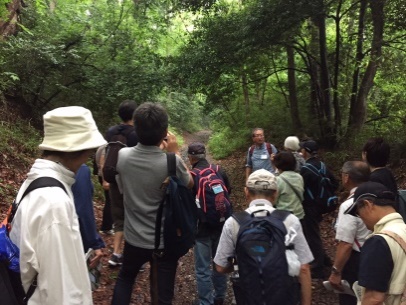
{"x": 376, "y": 264}
{"x": 83, "y": 196}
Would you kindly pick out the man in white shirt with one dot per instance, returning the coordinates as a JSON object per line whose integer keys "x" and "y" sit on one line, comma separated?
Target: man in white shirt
{"x": 45, "y": 227}
{"x": 260, "y": 191}
{"x": 351, "y": 232}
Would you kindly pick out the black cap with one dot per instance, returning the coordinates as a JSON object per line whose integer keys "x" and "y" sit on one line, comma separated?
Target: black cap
{"x": 374, "y": 190}
{"x": 310, "y": 146}
{"x": 196, "y": 148}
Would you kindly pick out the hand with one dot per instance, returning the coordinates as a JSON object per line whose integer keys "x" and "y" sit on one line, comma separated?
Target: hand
{"x": 98, "y": 254}
{"x": 335, "y": 281}
{"x": 106, "y": 185}
{"x": 171, "y": 144}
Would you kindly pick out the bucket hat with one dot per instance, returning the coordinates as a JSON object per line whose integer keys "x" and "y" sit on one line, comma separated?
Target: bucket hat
{"x": 70, "y": 129}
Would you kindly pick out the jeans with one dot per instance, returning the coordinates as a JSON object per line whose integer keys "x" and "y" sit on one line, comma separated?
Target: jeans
{"x": 210, "y": 284}
{"x": 133, "y": 259}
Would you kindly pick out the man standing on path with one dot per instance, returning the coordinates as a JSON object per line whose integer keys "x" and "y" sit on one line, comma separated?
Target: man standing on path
{"x": 382, "y": 273}
{"x": 46, "y": 227}
{"x": 313, "y": 215}
{"x": 351, "y": 232}
{"x": 259, "y": 154}
{"x": 260, "y": 192}
{"x": 126, "y": 128}
{"x": 143, "y": 170}
{"x": 211, "y": 285}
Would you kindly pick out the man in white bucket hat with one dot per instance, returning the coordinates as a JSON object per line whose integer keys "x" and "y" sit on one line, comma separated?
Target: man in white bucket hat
{"x": 45, "y": 227}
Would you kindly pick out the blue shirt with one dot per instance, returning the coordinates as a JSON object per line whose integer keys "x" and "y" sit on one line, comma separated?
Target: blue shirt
{"x": 260, "y": 158}
{"x": 83, "y": 195}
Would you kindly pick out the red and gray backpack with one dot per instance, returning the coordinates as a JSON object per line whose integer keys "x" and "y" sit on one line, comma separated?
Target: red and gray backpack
{"x": 212, "y": 196}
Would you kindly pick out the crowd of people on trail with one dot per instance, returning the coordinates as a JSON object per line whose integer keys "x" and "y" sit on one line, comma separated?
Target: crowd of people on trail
{"x": 269, "y": 253}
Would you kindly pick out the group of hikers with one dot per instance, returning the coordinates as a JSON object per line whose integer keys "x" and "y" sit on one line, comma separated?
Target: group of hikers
{"x": 270, "y": 252}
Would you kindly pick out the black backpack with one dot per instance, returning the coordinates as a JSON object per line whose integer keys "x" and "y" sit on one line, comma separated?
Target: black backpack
{"x": 180, "y": 210}
{"x": 325, "y": 199}
{"x": 11, "y": 289}
{"x": 118, "y": 141}
{"x": 212, "y": 195}
{"x": 261, "y": 257}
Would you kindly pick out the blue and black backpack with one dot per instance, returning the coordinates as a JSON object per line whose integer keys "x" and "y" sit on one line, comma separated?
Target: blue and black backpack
{"x": 261, "y": 257}
{"x": 325, "y": 199}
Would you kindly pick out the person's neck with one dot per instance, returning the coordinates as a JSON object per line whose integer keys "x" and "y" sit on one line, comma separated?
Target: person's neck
{"x": 372, "y": 169}
{"x": 130, "y": 122}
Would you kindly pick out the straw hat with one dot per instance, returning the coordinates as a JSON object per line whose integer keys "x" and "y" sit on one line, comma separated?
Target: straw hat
{"x": 70, "y": 129}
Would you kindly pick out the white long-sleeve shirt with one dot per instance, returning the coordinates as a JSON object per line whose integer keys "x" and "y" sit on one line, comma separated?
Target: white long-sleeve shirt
{"x": 46, "y": 230}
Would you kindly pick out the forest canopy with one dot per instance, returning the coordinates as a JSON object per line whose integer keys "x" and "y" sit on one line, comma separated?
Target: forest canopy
{"x": 331, "y": 70}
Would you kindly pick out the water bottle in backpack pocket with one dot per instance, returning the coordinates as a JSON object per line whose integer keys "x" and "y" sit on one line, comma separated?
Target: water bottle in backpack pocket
{"x": 212, "y": 196}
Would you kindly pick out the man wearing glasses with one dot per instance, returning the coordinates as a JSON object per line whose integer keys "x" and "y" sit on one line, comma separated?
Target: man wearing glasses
{"x": 382, "y": 275}
{"x": 259, "y": 154}
{"x": 351, "y": 232}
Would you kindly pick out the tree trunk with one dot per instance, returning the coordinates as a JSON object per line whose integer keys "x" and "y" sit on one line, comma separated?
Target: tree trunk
{"x": 358, "y": 110}
{"x": 294, "y": 111}
{"x": 336, "y": 102}
{"x": 246, "y": 97}
{"x": 9, "y": 26}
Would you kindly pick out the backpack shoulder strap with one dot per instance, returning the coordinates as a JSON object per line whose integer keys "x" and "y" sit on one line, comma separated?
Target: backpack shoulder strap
{"x": 241, "y": 217}
{"x": 312, "y": 168}
{"x": 36, "y": 184}
{"x": 251, "y": 150}
{"x": 280, "y": 214}
{"x": 171, "y": 160}
{"x": 395, "y": 237}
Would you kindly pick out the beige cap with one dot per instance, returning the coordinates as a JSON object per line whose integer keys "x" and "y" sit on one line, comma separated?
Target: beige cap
{"x": 262, "y": 180}
{"x": 70, "y": 129}
{"x": 292, "y": 143}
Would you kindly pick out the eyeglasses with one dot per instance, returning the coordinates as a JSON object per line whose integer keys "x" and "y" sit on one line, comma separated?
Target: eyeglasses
{"x": 258, "y": 136}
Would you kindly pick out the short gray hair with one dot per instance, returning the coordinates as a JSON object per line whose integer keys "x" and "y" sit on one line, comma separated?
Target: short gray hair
{"x": 358, "y": 171}
{"x": 198, "y": 156}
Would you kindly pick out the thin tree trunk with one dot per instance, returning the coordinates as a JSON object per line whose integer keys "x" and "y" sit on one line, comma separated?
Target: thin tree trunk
{"x": 246, "y": 97}
{"x": 337, "y": 112}
{"x": 294, "y": 111}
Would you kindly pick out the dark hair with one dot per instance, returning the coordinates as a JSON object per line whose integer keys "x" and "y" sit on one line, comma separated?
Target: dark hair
{"x": 358, "y": 171}
{"x": 151, "y": 123}
{"x": 64, "y": 154}
{"x": 377, "y": 152}
{"x": 285, "y": 161}
{"x": 126, "y": 110}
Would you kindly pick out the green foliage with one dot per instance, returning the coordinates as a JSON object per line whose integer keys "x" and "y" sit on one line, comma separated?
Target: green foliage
{"x": 227, "y": 140}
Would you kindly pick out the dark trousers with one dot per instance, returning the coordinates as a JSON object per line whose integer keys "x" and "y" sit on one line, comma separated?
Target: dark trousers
{"x": 311, "y": 231}
{"x": 107, "y": 221}
{"x": 133, "y": 259}
{"x": 350, "y": 274}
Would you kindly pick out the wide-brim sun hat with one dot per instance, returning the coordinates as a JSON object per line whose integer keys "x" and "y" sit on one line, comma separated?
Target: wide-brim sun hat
{"x": 70, "y": 129}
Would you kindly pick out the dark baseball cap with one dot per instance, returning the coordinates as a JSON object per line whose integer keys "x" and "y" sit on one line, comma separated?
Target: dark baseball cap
{"x": 196, "y": 148}
{"x": 372, "y": 190}
{"x": 310, "y": 146}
